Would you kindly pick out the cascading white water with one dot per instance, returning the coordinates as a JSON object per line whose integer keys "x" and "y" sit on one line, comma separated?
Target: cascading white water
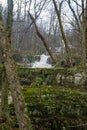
{"x": 42, "y": 63}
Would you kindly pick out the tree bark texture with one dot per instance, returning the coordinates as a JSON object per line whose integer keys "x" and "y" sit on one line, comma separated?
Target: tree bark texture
{"x": 14, "y": 84}
{"x": 4, "y": 96}
{"x": 4, "y": 92}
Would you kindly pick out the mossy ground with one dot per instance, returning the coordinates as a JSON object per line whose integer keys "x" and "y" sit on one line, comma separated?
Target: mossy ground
{"x": 50, "y": 105}
{"x": 53, "y": 108}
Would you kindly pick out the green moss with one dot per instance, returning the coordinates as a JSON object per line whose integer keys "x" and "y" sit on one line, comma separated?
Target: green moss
{"x": 54, "y": 107}
{"x": 45, "y": 76}
{"x": 49, "y": 105}
{"x": 58, "y": 106}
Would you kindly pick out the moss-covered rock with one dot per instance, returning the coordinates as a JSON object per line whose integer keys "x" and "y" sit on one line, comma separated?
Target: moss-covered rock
{"x": 50, "y": 76}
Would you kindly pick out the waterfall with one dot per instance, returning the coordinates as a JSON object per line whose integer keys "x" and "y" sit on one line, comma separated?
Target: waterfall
{"x": 42, "y": 63}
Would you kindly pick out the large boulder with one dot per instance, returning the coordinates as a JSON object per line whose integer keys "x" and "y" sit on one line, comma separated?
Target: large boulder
{"x": 80, "y": 78}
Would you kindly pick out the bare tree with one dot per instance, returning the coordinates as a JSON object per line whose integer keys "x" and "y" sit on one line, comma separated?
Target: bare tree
{"x": 81, "y": 23}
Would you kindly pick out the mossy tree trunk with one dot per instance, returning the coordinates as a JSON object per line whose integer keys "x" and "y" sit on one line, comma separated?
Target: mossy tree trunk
{"x": 4, "y": 92}
{"x": 14, "y": 84}
{"x": 4, "y": 96}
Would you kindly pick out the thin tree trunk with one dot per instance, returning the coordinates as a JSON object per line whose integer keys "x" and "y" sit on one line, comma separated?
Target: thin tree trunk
{"x": 83, "y": 46}
{"x": 9, "y": 18}
{"x": 43, "y": 39}
{"x": 84, "y": 33}
{"x": 86, "y": 42}
{"x": 58, "y": 12}
{"x": 19, "y": 104}
{"x": 74, "y": 14}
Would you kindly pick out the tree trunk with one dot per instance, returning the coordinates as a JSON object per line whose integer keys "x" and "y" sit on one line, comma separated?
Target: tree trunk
{"x": 4, "y": 96}
{"x": 86, "y": 42}
{"x": 9, "y": 18}
{"x": 4, "y": 92}
{"x": 83, "y": 46}
{"x": 84, "y": 32}
{"x": 42, "y": 39}
{"x": 58, "y": 12}
{"x": 19, "y": 104}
